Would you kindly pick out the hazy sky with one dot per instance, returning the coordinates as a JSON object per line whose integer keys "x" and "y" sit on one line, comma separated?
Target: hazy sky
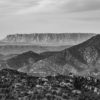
{"x": 27, "y": 16}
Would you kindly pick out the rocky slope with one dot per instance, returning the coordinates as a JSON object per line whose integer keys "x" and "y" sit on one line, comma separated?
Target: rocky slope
{"x": 88, "y": 53}
{"x": 82, "y": 59}
{"x": 47, "y": 38}
{"x": 15, "y": 85}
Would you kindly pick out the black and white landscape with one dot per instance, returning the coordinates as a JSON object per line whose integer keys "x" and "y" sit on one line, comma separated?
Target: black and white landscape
{"x": 61, "y": 72}
{"x": 49, "y": 49}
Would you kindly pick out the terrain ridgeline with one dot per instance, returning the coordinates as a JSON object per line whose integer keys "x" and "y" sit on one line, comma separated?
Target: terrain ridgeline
{"x": 47, "y": 38}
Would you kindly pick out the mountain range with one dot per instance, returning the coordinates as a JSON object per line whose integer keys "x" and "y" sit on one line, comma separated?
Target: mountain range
{"x": 51, "y": 39}
{"x": 81, "y": 59}
{"x": 40, "y": 42}
{"x": 69, "y": 74}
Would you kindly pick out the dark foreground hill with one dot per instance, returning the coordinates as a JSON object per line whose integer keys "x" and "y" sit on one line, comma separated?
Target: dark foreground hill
{"x": 15, "y": 85}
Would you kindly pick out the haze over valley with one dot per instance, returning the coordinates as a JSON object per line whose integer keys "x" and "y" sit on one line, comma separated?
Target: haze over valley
{"x": 38, "y": 42}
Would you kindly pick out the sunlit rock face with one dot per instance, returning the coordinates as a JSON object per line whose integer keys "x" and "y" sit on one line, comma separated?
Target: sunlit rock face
{"x": 48, "y": 38}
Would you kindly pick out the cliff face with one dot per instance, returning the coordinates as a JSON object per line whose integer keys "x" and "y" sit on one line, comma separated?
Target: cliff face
{"x": 48, "y": 38}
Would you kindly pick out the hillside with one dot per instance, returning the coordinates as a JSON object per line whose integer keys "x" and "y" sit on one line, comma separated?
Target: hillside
{"x": 69, "y": 74}
{"x": 82, "y": 59}
{"x": 23, "y": 59}
{"x": 20, "y": 86}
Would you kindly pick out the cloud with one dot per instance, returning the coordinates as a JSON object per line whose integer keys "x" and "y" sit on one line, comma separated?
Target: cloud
{"x": 19, "y": 7}
{"x": 89, "y": 19}
{"x": 62, "y": 6}
{"x": 9, "y": 7}
{"x": 82, "y": 5}
{"x": 43, "y": 6}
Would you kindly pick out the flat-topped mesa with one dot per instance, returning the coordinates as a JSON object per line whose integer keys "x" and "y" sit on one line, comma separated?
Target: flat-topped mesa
{"x": 48, "y": 38}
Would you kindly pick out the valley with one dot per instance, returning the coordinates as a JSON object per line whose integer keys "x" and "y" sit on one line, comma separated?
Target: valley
{"x": 67, "y": 72}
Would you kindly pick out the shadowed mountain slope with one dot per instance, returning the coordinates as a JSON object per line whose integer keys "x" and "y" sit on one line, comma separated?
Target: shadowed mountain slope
{"x": 23, "y": 59}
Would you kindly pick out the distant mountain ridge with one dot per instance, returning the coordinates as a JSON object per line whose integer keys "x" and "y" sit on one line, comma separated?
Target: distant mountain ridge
{"x": 48, "y": 38}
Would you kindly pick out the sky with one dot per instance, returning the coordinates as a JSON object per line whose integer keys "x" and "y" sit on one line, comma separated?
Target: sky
{"x": 56, "y": 16}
